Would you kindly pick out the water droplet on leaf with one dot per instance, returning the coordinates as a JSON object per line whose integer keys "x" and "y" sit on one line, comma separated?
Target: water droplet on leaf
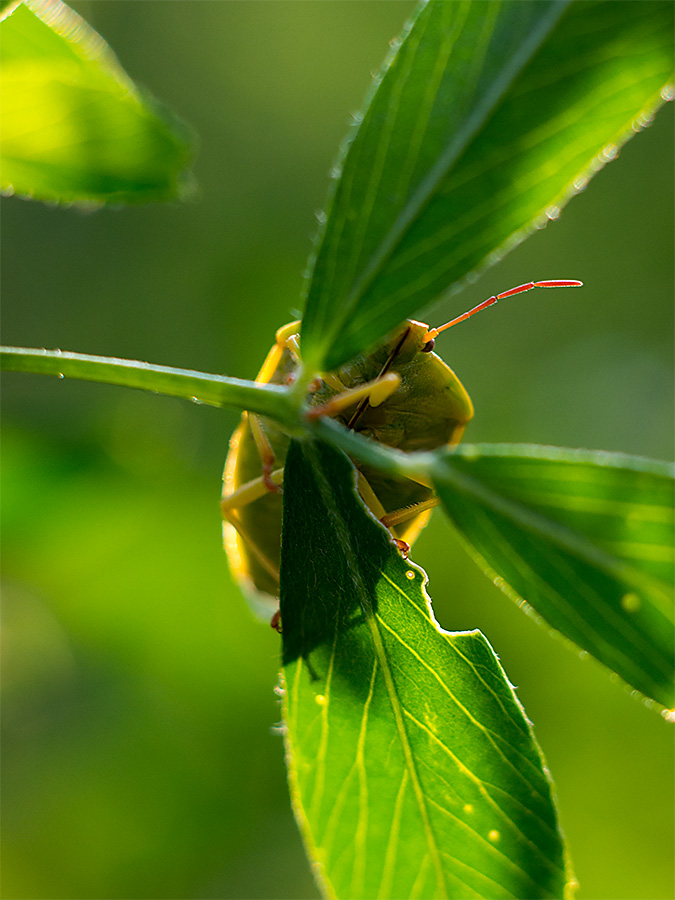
{"x": 631, "y": 602}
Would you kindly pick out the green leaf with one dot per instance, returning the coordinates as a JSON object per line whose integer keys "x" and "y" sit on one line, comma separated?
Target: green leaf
{"x": 586, "y": 539}
{"x": 487, "y": 119}
{"x": 74, "y": 127}
{"x": 413, "y": 768}
{"x": 200, "y": 387}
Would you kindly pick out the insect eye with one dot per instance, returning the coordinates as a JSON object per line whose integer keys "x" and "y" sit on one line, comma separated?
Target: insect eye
{"x": 429, "y": 346}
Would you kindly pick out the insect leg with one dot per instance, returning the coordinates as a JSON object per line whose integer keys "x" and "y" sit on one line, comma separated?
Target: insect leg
{"x": 376, "y": 392}
{"x": 231, "y": 517}
{"x": 371, "y": 500}
{"x": 285, "y": 338}
{"x": 247, "y": 493}
{"x": 369, "y": 496}
{"x": 230, "y": 506}
{"x": 238, "y": 530}
{"x": 371, "y": 393}
{"x": 265, "y": 452}
{"x": 232, "y": 503}
{"x": 398, "y": 516}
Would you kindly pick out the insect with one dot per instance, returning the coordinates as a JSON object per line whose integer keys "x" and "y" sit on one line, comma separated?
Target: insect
{"x": 401, "y": 394}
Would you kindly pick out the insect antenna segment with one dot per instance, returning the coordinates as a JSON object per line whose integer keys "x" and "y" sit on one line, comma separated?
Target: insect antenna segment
{"x": 433, "y": 333}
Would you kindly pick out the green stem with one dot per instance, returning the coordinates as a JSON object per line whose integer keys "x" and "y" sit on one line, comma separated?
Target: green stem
{"x": 215, "y": 390}
{"x": 415, "y": 465}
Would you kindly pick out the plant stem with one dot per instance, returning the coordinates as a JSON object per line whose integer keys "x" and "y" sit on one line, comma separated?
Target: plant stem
{"x": 415, "y": 465}
{"x": 215, "y": 390}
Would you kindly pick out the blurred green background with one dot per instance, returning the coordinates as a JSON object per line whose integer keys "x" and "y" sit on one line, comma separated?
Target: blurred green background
{"x": 140, "y": 754}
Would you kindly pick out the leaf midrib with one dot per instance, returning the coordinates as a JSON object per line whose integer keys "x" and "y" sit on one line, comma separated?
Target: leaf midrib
{"x": 427, "y": 187}
{"x": 397, "y": 710}
{"x": 344, "y": 539}
{"x": 559, "y": 534}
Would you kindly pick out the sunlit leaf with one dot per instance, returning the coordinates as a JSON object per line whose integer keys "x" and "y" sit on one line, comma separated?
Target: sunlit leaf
{"x": 586, "y": 539}
{"x": 413, "y": 768}
{"x": 74, "y": 127}
{"x": 487, "y": 119}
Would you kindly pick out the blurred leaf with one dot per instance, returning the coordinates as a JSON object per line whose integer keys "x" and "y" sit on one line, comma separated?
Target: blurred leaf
{"x": 487, "y": 119}
{"x": 200, "y": 387}
{"x": 584, "y": 538}
{"x": 75, "y": 128}
{"x": 413, "y": 769}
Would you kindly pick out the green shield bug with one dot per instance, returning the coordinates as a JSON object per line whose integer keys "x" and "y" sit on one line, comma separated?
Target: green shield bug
{"x": 400, "y": 393}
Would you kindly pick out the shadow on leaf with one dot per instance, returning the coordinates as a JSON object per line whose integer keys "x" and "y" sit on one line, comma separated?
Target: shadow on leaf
{"x": 331, "y": 555}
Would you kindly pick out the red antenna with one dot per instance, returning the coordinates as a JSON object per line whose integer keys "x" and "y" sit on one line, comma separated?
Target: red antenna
{"x": 434, "y": 332}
